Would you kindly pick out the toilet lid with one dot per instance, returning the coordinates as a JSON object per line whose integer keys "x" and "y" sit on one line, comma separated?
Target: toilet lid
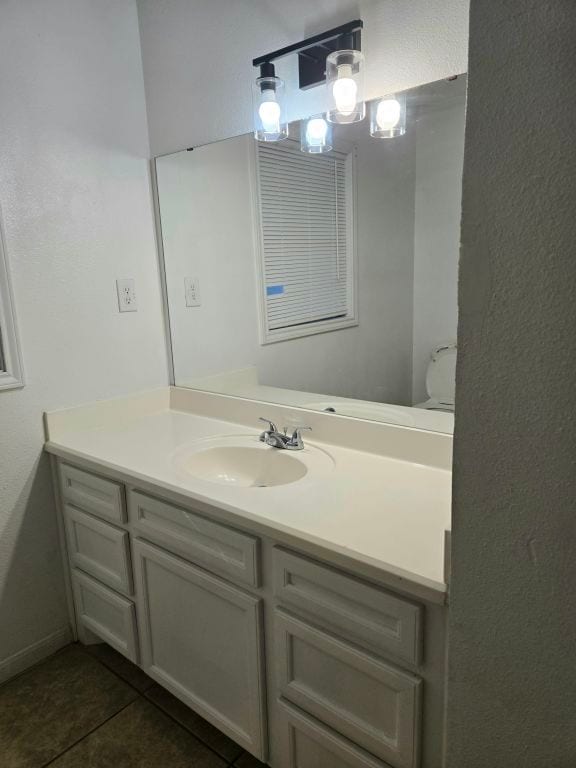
{"x": 441, "y": 374}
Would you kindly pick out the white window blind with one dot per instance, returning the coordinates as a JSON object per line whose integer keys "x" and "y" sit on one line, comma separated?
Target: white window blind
{"x": 305, "y": 215}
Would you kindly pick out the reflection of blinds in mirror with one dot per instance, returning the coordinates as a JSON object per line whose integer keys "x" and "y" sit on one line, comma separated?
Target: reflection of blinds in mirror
{"x": 304, "y": 217}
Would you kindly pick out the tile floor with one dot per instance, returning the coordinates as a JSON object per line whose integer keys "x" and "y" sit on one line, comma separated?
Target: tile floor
{"x": 92, "y": 708}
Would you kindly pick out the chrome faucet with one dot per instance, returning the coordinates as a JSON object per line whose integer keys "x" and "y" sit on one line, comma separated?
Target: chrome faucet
{"x": 276, "y": 439}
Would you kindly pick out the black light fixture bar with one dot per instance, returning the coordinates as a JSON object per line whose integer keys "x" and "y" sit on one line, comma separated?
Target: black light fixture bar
{"x": 351, "y": 29}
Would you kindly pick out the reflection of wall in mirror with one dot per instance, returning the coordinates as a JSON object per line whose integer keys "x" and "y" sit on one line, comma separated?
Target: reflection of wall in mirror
{"x": 407, "y": 222}
{"x": 206, "y": 216}
{"x": 439, "y": 158}
{"x": 205, "y": 200}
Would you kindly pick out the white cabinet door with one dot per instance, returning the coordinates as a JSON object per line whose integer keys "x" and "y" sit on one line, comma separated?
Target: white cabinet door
{"x": 202, "y": 639}
{"x": 374, "y": 704}
{"x": 222, "y": 550}
{"x": 307, "y": 743}
{"x": 100, "y": 496}
{"x": 363, "y": 613}
{"x": 99, "y": 548}
{"x": 106, "y": 614}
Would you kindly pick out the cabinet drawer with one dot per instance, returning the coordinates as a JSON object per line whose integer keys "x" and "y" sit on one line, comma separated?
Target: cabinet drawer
{"x": 214, "y": 546}
{"x": 309, "y": 744}
{"x": 103, "y": 498}
{"x": 108, "y": 615}
{"x": 99, "y": 549}
{"x": 360, "y": 612}
{"x": 202, "y": 639}
{"x": 375, "y": 705}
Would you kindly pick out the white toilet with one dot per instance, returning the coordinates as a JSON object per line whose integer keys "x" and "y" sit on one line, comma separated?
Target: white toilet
{"x": 441, "y": 379}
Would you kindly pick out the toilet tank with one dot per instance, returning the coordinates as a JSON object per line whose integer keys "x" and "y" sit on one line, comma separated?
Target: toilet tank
{"x": 441, "y": 374}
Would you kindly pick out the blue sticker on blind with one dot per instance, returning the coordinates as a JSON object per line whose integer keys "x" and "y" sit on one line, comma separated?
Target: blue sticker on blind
{"x": 274, "y": 290}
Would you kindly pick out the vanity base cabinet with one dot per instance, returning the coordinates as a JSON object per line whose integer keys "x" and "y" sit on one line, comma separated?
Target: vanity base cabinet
{"x": 302, "y": 663}
{"x": 202, "y": 639}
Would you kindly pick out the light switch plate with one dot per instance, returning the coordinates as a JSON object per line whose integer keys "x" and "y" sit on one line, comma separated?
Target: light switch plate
{"x": 126, "y": 289}
{"x": 192, "y": 291}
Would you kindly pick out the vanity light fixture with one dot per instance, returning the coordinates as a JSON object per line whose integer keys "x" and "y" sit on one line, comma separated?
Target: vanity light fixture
{"x": 270, "y": 123}
{"x": 333, "y": 57}
{"x": 388, "y": 116}
{"x": 315, "y": 135}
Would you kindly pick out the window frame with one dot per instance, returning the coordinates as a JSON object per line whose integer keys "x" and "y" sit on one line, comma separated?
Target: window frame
{"x": 11, "y": 372}
{"x": 268, "y": 336}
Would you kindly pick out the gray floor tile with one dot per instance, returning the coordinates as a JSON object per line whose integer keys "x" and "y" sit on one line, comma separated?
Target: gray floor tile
{"x": 50, "y": 707}
{"x": 121, "y": 666}
{"x": 247, "y": 761}
{"x": 141, "y": 736}
{"x": 220, "y": 743}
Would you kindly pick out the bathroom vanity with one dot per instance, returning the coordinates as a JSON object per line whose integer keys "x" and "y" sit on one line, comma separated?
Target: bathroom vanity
{"x": 295, "y": 600}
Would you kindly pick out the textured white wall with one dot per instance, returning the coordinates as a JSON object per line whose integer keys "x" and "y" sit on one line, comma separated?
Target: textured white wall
{"x": 207, "y": 231}
{"x": 512, "y": 664}
{"x": 439, "y": 158}
{"x": 198, "y": 56}
{"x": 75, "y": 195}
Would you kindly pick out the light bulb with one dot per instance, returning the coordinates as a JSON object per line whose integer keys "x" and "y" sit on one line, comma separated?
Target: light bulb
{"x": 269, "y": 112}
{"x": 345, "y": 90}
{"x": 388, "y": 114}
{"x": 316, "y": 130}
{"x": 315, "y": 135}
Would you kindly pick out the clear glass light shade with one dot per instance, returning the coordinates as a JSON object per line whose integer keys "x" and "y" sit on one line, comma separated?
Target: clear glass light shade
{"x": 345, "y": 83}
{"x": 388, "y": 116}
{"x": 268, "y": 97}
{"x": 315, "y": 135}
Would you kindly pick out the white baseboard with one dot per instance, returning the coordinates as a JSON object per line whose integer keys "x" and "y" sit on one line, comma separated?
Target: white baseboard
{"x": 34, "y": 653}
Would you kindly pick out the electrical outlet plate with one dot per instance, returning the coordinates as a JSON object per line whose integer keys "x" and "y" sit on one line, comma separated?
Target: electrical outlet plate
{"x": 192, "y": 291}
{"x": 126, "y": 289}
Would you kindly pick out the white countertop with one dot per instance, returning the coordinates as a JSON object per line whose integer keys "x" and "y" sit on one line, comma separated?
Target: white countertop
{"x": 382, "y": 511}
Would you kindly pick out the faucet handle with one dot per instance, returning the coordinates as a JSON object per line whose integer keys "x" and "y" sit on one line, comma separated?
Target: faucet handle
{"x": 272, "y": 426}
{"x": 296, "y": 439}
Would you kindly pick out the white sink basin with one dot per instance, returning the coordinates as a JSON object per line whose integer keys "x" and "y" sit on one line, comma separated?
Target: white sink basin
{"x": 244, "y": 462}
{"x": 248, "y": 467}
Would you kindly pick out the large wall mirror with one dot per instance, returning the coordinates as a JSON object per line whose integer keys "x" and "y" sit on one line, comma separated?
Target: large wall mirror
{"x": 325, "y": 280}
